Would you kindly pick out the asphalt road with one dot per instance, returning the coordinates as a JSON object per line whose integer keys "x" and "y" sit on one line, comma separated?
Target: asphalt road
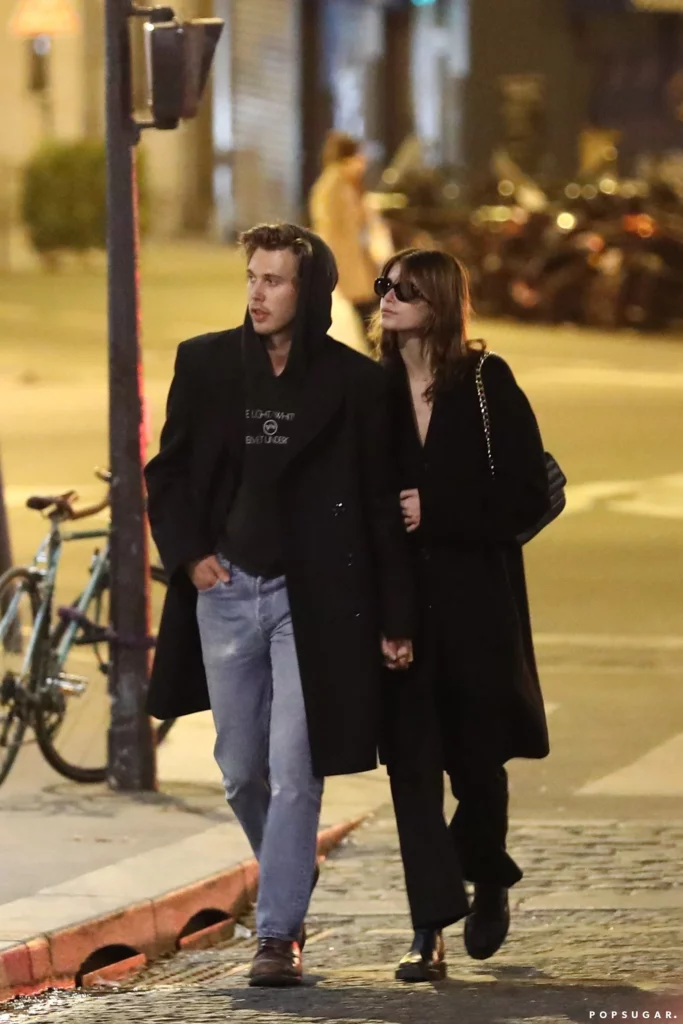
{"x": 606, "y": 580}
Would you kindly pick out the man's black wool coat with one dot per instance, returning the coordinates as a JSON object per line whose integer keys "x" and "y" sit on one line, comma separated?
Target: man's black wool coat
{"x": 345, "y": 557}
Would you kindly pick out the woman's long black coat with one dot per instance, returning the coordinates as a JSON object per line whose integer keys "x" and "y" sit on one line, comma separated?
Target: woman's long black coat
{"x": 474, "y": 645}
{"x": 346, "y": 560}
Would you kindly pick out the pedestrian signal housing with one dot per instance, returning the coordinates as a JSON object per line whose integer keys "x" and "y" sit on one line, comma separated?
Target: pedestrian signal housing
{"x": 179, "y": 55}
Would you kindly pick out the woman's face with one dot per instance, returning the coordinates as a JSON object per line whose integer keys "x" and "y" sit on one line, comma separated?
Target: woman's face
{"x": 402, "y": 316}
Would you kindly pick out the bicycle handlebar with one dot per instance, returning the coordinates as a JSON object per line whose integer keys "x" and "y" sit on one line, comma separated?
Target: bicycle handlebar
{"x": 90, "y": 510}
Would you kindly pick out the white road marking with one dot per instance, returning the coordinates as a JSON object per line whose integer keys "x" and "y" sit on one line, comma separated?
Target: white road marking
{"x": 658, "y": 498}
{"x": 611, "y": 641}
{"x": 654, "y": 497}
{"x": 659, "y": 772}
{"x": 603, "y": 377}
{"x": 571, "y": 668}
{"x": 585, "y": 497}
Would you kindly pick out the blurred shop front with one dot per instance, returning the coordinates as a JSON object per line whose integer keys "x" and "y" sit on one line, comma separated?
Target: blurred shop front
{"x": 546, "y": 83}
{"x": 542, "y": 82}
{"x": 382, "y": 70}
{"x": 290, "y": 70}
{"x": 632, "y": 53}
{"x": 548, "y": 78}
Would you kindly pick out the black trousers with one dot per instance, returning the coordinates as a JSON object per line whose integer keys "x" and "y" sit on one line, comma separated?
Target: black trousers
{"x": 437, "y": 856}
{"x": 430, "y": 733}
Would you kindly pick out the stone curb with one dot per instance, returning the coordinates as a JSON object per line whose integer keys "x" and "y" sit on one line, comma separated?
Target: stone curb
{"x": 146, "y": 929}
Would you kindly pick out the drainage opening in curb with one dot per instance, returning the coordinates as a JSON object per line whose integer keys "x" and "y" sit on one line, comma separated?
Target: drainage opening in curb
{"x": 206, "y": 926}
{"x": 107, "y": 959}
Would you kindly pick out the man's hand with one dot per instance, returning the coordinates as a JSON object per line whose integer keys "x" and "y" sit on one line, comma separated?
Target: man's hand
{"x": 410, "y": 507}
{"x": 206, "y": 573}
{"x": 397, "y": 654}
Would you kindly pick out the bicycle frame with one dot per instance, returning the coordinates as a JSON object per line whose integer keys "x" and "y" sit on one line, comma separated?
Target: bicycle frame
{"x": 8, "y": 618}
{"x": 98, "y": 568}
{"x": 49, "y": 554}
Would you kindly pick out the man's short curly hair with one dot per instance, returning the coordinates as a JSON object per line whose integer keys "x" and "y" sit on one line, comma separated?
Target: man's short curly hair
{"x": 273, "y": 237}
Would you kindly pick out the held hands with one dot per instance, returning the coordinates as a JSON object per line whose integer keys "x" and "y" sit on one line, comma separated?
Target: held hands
{"x": 397, "y": 654}
{"x": 410, "y": 507}
{"x": 206, "y": 573}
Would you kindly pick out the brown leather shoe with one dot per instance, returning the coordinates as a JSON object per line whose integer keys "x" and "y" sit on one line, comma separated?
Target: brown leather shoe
{"x": 277, "y": 964}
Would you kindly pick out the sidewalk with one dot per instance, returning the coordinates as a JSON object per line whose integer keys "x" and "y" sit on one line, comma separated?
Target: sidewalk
{"x": 84, "y": 868}
{"x": 597, "y": 933}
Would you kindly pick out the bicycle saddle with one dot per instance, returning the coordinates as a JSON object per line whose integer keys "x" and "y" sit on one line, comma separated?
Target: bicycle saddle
{"x": 61, "y": 502}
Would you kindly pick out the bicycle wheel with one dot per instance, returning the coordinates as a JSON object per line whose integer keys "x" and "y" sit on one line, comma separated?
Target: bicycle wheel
{"x": 73, "y": 710}
{"x": 19, "y": 603}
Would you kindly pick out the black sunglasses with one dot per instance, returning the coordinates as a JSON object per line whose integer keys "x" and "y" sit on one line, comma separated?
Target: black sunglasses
{"x": 404, "y": 293}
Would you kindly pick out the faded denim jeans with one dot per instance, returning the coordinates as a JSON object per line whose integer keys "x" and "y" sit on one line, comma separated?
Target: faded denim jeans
{"x": 262, "y": 745}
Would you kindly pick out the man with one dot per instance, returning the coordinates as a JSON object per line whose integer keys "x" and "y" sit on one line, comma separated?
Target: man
{"x": 275, "y": 511}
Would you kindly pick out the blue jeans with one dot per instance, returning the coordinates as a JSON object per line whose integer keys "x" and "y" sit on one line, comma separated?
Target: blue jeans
{"x": 262, "y": 745}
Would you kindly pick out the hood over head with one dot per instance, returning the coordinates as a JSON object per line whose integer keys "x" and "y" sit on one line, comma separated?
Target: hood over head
{"x": 317, "y": 280}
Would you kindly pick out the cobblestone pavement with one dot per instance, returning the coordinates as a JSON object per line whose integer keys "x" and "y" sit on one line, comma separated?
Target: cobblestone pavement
{"x": 609, "y": 946}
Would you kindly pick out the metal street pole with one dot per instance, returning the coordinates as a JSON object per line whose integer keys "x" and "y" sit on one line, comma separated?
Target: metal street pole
{"x": 131, "y": 747}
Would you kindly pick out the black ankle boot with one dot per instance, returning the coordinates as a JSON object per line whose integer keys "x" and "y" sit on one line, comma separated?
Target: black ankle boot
{"x": 488, "y": 922}
{"x": 425, "y": 960}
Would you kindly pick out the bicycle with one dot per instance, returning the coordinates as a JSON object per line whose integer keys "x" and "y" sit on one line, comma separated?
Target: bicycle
{"x": 54, "y": 669}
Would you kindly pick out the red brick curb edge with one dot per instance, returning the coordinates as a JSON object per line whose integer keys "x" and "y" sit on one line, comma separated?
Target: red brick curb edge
{"x": 147, "y": 929}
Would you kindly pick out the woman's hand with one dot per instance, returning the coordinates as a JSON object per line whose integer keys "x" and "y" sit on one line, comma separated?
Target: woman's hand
{"x": 410, "y": 507}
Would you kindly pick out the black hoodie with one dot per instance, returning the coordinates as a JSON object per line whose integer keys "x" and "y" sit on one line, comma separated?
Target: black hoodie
{"x": 252, "y": 535}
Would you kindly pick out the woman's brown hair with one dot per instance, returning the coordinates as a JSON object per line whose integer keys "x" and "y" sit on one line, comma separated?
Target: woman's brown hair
{"x": 443, "y": 282}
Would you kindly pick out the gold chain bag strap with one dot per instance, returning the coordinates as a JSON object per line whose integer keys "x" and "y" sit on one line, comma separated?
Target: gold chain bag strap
{"x": 556, "y": 479}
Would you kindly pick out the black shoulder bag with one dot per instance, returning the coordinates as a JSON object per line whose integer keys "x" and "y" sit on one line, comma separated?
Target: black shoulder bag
{"x": 556, "y": 478}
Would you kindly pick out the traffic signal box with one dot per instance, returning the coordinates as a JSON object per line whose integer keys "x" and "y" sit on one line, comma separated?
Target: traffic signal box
{"x": 178, "y": 55}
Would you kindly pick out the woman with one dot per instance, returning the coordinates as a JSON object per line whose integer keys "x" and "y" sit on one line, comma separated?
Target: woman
{"x": 472, "y": 700}
{"x": 339, "y": 216}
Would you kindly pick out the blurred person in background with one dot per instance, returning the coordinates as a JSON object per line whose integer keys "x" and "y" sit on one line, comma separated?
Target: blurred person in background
{"x": 275, "y": 510}
{"x": 472, "y": 699}
{"x": 340, "y": 215}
